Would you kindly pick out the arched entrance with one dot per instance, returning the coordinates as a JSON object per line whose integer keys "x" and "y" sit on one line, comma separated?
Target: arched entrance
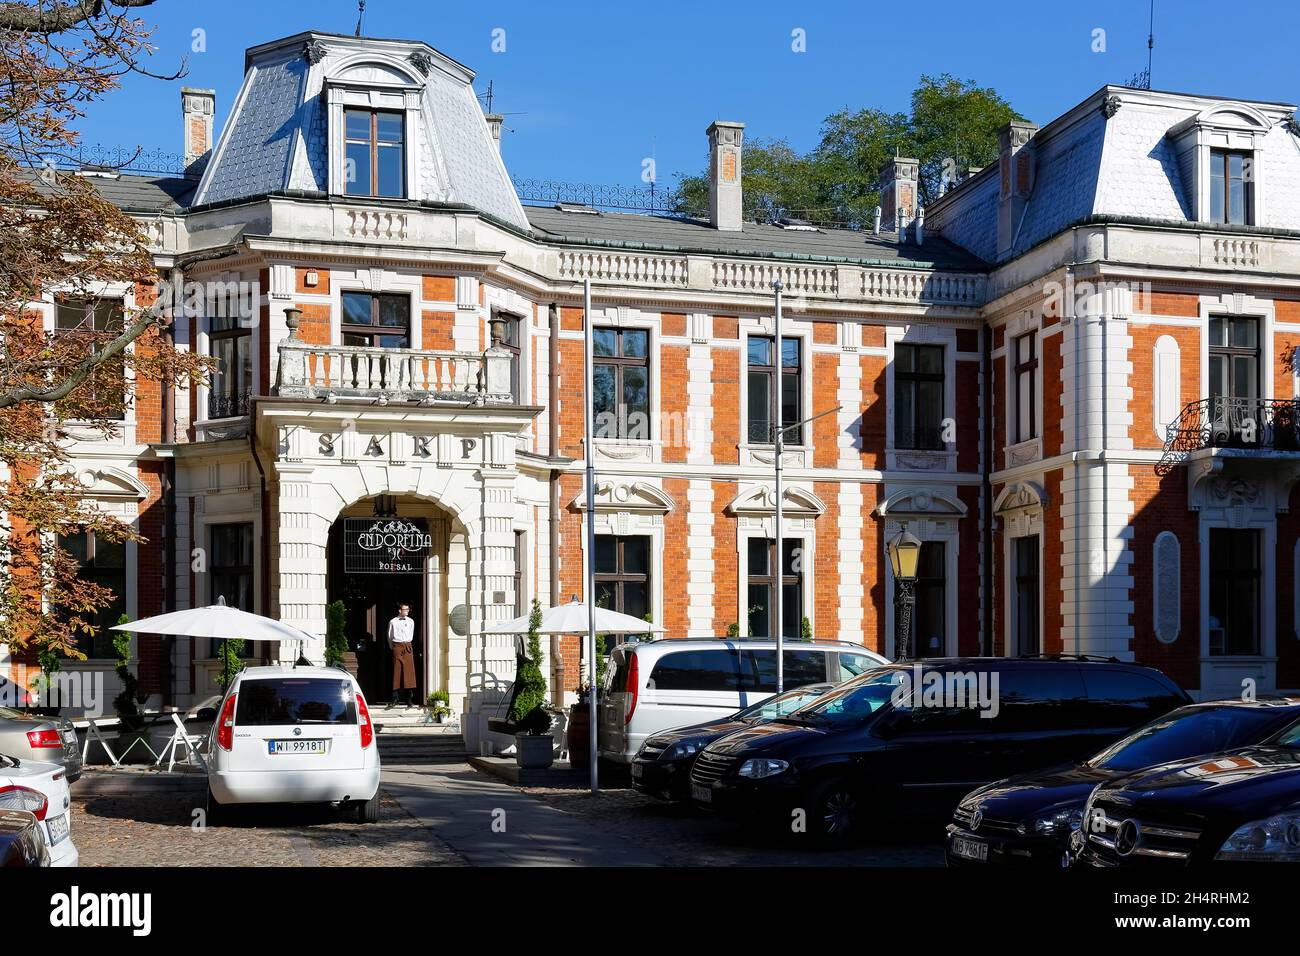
{"x": 382, "y": 552}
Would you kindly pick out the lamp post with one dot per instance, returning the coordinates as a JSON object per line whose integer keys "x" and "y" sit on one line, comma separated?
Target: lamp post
{"x": 904, "y": 551}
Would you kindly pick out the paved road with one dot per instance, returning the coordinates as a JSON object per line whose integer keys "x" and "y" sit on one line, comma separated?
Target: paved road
{"x": 491, "y": 823}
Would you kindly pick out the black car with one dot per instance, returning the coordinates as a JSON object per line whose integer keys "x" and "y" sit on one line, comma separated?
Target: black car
{"x": 913, "y": 739}
{"x": 1028, "y": 819}
{"x": 21, "y": 844}
{"x": 1239, "y": 805}
{"x": 662, "y": 766}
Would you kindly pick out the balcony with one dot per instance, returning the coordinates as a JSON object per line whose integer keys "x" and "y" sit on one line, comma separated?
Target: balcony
{"x": 1243, "y": 427}
{"x": 227, "y": 406}
{"x": 395, "y": 375}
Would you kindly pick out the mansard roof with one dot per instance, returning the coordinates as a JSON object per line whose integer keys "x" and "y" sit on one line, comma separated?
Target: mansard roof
{"x": 1114, "y": 155}
{"x": 276, "y": 137}
{"x": 677, "y": 233}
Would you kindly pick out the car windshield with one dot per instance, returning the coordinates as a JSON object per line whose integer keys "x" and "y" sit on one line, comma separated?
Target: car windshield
{"x": 780, "y": 705}
{"x": 278, "y": 701}
{"x": 855, "y": 700}
{"x": 1289, "y": 737}
{"x": 1188, "y": 732}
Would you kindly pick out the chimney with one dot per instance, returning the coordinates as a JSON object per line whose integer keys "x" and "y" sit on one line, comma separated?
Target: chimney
{"x": 198, "y": 109}
{"x": 1016, "y": 179}
{"x": 495, "y": 122}
{"x": 725, "y": 196}
{"x": 898, "y": 192}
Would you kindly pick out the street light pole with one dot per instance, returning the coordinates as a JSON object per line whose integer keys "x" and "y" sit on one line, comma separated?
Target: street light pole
{"x": 904, "y": 551}
{"x": 779, "y": 449}
{"x": 592, "y": 663}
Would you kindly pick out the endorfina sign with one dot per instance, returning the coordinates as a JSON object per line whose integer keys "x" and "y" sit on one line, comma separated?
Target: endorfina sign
{"x": 385, "y": 545}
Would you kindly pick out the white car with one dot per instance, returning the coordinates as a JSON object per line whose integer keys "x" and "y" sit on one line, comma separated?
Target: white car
{"x": 41, "y": 789}
{"x": 293, "y": 735}
{"x": 666, "y": 684}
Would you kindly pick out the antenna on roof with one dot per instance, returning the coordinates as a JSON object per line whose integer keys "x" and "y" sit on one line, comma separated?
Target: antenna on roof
{"x": 488, "y": 95}
{"x": 361, "y": 15}
{"x": 1142, "y": 81}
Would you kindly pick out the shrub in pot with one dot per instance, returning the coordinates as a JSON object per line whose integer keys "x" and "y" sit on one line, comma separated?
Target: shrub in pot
{"x": 534, "y": 745}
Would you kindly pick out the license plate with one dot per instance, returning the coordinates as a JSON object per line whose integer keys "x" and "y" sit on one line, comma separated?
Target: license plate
{"x": 976, "y": 850}
{"x": 317, "y": 746}
{"x": 701, "y": 793}
{"x": 637, "y": 770}
{"x": 58, "y": 828}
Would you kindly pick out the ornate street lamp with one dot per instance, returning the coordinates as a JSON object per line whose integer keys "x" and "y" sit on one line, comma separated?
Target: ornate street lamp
{"x": 904, "y": 551}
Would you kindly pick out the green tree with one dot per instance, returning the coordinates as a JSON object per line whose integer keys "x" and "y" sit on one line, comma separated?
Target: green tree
{"x": 336, "y": 633}
{"x": 837, "y": 183}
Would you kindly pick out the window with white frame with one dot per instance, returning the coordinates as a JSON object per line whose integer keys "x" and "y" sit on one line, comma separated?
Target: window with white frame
{"x": 90, "y": 323}
{"x": 374, "y": 153}
{"x": 771, "y": 380}
{"x": 1235, "y": 582}
{"x": 1024, "y": 357}
{"x": 765, "y": 573}
{"x": 621, "y": 383}
{"x": 1232, "y": 187}
{"x": 918, "y": 397}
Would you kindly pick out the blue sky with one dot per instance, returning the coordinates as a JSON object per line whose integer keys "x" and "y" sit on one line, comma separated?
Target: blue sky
{"x": 592, "y": 89}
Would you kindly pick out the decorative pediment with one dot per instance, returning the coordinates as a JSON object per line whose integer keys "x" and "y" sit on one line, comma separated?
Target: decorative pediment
{"x": 761, "y": 500}
{"x": 1019, "y": 496}
{"x": 112, "y": 483}
{"x": 920, "y": 501}
{"x": 376, "y": 72}
{"x": 637, "y": 496}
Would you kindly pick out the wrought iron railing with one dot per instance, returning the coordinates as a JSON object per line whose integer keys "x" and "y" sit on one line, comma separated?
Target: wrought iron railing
{"x": 1260, "y": 424}
{"x": 127, "y": 159}
{"x": 227, "y": 406}
{"x": 650, "y": 198}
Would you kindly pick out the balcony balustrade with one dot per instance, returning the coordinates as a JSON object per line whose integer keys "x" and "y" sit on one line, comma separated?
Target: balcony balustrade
{"x": 395, "y": 375}
{"x": 1247, "y": 424}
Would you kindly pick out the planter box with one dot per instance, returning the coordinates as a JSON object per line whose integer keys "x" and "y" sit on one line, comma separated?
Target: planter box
{"x": 534, "y": 752}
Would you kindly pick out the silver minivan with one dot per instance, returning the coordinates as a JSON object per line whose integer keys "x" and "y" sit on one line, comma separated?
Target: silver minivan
{"x": 664, "y": 684}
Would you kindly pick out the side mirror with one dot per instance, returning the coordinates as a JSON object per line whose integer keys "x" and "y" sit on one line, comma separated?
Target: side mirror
{"x": 206, "y": 713}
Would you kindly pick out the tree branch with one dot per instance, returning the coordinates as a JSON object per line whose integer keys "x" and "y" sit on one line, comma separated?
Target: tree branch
{"x": 83, "y": 370}
{"x": 24, "y": 19}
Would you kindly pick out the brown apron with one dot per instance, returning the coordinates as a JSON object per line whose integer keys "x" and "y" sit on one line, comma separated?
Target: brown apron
{"x": 403, "y": 666}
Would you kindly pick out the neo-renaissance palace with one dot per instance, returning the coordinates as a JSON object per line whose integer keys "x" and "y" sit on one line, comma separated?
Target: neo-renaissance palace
{"x": 1072, "y": 376}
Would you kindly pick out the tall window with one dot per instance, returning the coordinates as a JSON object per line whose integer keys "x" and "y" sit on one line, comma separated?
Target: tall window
{"x": 764, "y": 391}
{"x": 95, "y": 321}
{"x": 1234, "y": 376}
{"x": 521, "y": 555}
{"x": 1231, "y": 187}
{"x": 1235, "y": 581}
{"x": 621, "y": 383}
{"x": 230, "y": 343}
{"x": 1028, "y": 640}
{"x": 511, "y": 333}
{"x": 374, "y": 153}
{"x": 376, "y": 320}
{"x": 931, "y": 602}
{"x": 102, "y": 563}
{"x": 230, "y": 564}
{"x": 918, "y": 396}
{"x": 1025, "y": 354}
{"x": 623, "y": 573}
{"x": 763, "y": 578}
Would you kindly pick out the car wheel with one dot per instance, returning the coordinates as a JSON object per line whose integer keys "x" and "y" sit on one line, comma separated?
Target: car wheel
{"x": 368, "y": 810}
{"x": 835, "y": 812}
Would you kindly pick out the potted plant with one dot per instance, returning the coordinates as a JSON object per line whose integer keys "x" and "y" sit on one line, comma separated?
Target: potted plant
{"x": 439, "y": 705}
{"x": 336, "y": 634}
{"x": 130, "y": 720}
{"x": 534, "y": 745}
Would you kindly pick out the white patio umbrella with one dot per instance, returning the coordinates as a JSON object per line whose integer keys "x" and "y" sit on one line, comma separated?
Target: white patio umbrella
{"x": 571, "y": 618}
{"x": 219, "y": 621}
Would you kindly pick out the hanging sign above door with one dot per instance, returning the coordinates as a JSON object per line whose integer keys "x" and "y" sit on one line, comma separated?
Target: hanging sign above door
{"x": 385, "y": 545}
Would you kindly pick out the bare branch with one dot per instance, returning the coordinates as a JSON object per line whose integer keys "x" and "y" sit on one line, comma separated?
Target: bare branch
{"x": 24, "y": 19}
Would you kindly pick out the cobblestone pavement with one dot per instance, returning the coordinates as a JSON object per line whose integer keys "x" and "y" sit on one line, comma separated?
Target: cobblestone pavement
{"x": 156, "y": 830}
{"x": 684, "y": 836}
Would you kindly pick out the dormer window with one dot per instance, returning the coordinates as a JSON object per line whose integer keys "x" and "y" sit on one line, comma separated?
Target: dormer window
{"x": 1230, "y": 187}
{"x": 375, "y": 153}
{"x": 1219, "y": 152}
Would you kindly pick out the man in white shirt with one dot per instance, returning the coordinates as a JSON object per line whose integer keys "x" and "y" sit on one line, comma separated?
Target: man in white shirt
{"x": 401, "y": 634}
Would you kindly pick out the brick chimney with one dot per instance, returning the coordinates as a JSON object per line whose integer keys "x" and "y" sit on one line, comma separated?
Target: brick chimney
{"x": 495, "y": 121}
{"x": 1015, "y": 179}
{"x": 726, "y": 204}
{"x": 898, "y": 193}
{"x": 198, "y": 110}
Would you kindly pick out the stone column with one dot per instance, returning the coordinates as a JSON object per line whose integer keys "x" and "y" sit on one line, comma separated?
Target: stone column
{"x": 299, "y": 586}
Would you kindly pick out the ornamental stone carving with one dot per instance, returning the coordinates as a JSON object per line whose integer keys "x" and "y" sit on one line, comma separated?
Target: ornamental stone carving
{"x": 1166, "y": 605}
